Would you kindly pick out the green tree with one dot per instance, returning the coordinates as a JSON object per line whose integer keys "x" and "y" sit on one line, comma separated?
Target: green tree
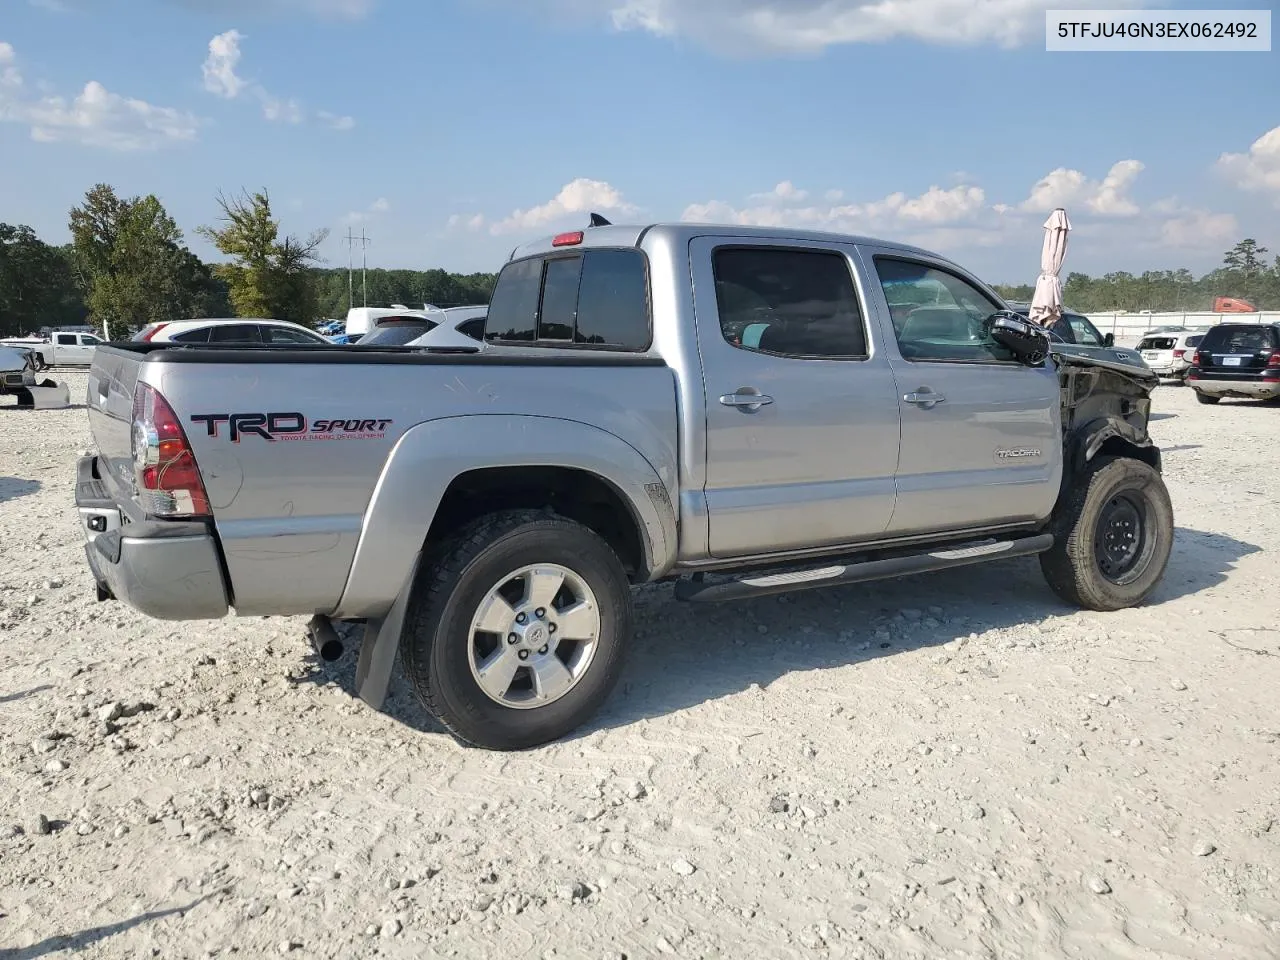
{"x": 267, "y": 276}
{"x": 36, "y": 284}
{"x": 130, "y": 259}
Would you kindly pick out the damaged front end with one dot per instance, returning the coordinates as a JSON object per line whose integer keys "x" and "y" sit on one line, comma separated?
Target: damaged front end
{"x": 1106, "y": 408}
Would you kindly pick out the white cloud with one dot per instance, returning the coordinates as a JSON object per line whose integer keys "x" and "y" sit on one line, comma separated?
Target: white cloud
{"x": 785, "y": 191}
{"x": 52, "y": 6}
{"x": 576, "y": 197}
{"x": 381, "y": 205}
{"x": 472, "y": 223}
{"x": 806, "y": 27}
{"x": 833, "y": 196}
{"x": 1200, "y": 229}
{"x": 221, "y": 79}
{"x": 336, "y": 122}
{"x": 1258, "y": 169}
{"x": 1071, "y": 188}
{"x": 219, "y": 67}
{"x": 95, "y": 117}
{"x": 934, "y": 206}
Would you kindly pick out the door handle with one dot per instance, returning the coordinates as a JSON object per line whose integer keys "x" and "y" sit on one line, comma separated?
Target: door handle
{"x": 924, "y": 398}
{"x": 749, "y": 402}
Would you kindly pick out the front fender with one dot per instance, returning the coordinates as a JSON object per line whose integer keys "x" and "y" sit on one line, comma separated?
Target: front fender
{"x": 429, "y": 456}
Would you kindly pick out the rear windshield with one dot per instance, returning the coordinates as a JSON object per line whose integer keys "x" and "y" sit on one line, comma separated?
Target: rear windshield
{"x": 1238, "y": 340}
{"x": 398, "y": 332}
{"x": 1156, "y": 343}
{"x": 594, "y": 298}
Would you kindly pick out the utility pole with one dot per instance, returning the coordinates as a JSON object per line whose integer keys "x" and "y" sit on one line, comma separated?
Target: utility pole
{"x": 364, "y": 266}
{"x": 350, "y": 266}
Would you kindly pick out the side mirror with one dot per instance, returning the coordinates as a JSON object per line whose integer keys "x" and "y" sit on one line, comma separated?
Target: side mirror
{"x": 1109, "y": 340}
{"x": 1028, "y": 342}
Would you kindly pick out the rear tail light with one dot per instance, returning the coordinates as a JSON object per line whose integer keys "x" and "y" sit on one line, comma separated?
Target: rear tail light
{"x": 1179, "y": 354}
{"x": 154, "y": 329}
{"x": 1271, "y": 373}
{"x": 1195, "y": 359}
{"x": 1274, "y": 360}
{"x": 167, "y": 478}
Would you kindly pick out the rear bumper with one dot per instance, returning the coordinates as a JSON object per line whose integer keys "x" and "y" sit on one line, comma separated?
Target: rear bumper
{"x": 1254, "y": 389}
{"x": 170, "y": 570}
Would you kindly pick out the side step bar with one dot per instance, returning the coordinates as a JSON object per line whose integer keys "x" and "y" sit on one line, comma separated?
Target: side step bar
{"x": 743, "y": 588}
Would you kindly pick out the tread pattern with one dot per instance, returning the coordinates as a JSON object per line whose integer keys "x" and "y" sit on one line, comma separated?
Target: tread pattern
{"x": 1069, "y": 566}
{"x": 444, "y": 567}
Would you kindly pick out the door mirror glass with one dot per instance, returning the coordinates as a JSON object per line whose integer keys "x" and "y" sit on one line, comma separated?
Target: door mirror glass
{"x": 1108, "y": 339}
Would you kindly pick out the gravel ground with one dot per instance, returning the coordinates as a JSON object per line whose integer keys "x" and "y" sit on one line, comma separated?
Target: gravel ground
{"x": 954, "y": 766}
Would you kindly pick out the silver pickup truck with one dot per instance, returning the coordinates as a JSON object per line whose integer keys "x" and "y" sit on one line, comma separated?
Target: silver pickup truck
{"x": 743, "y": 411}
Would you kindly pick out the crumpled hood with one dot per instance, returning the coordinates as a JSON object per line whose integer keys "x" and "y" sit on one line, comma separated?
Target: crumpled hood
{"x": 1138, "y": 371}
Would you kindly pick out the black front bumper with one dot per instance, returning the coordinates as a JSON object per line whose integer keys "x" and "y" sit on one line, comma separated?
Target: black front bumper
{"x": 168, "y": 569}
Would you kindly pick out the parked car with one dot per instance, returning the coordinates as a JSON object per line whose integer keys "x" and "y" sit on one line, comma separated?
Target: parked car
{"x": 62, "y": 349}
{"x": 458, "y": 327}
{"x": 17, "y": 369}
{"x": 1075, "y": 333}
{"x": 235, "y": 330}
{"x": 485, "y": 514}
{"x": 1169, "y": 354}
{"x": 1237, "y": 360}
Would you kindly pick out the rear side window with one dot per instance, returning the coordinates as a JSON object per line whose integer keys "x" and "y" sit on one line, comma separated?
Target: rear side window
{"x": 396, "y": 332}
{"x": 1238, "y": 340}
{"x": 235, "y": 333}
{"x": 473, "y": 328}
{"x": 200, "y": 335}
{"x": 66, "y": 339}
{"x": 1156, "y": 343}
{"x": 788, "y": 302}
{"x": 1194, "y": 341}
{"x": 596, "y": 298}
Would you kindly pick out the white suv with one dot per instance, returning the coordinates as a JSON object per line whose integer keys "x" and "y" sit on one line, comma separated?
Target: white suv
{"x": 239, "y": 330}
{"x": 1168, "y": 353}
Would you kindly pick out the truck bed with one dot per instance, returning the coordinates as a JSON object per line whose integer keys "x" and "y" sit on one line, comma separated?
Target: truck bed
{"x": 294, "y": 442}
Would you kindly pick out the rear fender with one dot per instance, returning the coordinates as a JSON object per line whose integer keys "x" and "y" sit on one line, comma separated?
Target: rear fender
{"x": 427, "y": 458}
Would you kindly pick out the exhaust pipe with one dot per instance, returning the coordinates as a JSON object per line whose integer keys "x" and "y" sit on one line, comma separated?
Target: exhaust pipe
{"x": 324, "y": 638}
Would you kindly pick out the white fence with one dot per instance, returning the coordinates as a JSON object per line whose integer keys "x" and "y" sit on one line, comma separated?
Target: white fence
{"x": 1129, "y": 327}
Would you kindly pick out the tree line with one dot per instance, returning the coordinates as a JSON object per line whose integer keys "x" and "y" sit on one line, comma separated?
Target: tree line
{"x": 1245, "y": 274}
{"x": 128, "y": 265}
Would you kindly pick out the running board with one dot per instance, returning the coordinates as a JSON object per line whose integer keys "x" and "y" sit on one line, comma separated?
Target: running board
{"x": 743, "y": 588}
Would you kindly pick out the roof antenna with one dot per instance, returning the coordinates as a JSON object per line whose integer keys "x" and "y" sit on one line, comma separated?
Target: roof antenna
{"x": 599, "y": 221}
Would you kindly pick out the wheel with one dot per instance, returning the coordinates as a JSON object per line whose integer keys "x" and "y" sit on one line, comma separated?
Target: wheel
{"x": 515, "y": 635}
{"x": 1113, "y": 536}
{"x": 1205, "y": 398}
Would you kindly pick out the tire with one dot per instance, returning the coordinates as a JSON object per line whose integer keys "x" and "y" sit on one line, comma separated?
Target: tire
{"x": 1205, "y": 398}
{"x": 443, "y": 656}
{"x": 1073, "y": 567}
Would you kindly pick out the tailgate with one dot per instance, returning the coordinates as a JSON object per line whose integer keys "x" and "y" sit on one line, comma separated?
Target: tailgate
{"x": 112, "y": 377}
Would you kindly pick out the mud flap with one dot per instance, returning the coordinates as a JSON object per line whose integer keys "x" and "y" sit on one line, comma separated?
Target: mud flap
{"x": 380, "y": 644}
{"x": 47, "y": 396}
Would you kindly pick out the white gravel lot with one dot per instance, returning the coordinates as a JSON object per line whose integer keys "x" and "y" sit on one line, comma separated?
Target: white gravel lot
{"x": 949, "y": 766}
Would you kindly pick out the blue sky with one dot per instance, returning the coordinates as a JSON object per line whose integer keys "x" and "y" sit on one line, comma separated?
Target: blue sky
{"x": 452, "y": 130}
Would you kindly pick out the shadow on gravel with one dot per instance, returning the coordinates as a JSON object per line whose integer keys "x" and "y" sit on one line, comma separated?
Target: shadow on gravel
{"x": 75, "y": 942}
{"x": 1162, "y": 416}
{"x": 11, "y": 488}
{"x": 686, "y": 654}
{"x": 23, "y": 694}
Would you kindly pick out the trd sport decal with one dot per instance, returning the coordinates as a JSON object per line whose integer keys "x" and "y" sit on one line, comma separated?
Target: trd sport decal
{"x": 289, "y": 426}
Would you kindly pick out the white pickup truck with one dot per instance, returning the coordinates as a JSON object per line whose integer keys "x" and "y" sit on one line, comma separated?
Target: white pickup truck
{"x": 63, "y": 349}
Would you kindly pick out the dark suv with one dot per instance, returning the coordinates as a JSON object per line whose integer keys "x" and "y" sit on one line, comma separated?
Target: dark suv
{"x": 1237, "y": 360}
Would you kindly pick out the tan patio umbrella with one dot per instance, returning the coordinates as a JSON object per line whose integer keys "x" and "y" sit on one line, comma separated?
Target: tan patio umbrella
{"x": 1046, "y": 305}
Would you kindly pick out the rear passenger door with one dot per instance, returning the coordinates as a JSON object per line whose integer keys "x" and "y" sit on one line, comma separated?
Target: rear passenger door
{"x": 981, "y": 443}
{"x": 801, "y": 414}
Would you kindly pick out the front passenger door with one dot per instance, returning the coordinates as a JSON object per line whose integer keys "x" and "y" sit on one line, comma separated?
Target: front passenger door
{"x": 981, "y": 441}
